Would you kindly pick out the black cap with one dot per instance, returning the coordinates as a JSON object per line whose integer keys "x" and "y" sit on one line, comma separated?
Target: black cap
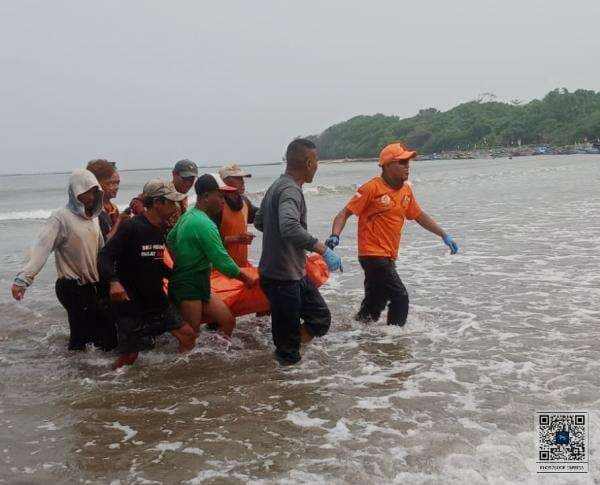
{"x": 186, "y": 168}
{"x": 209, "y": 182}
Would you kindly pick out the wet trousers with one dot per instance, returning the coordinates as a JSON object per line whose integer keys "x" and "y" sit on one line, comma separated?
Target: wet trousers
{"x": 90, "y": 319}
{"x": 383, "y": 287}
{"x": 291, "y": 302}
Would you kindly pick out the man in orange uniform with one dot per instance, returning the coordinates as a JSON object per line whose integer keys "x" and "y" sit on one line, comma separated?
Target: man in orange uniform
{"x": 237, "y": 212}
{"x": 382, "y": 205}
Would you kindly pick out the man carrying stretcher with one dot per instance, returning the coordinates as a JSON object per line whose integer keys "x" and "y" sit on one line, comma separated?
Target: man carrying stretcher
{"x": 233, "y": 221}
{"x": 237, "y": 213}
{"x": 197, "y": 246}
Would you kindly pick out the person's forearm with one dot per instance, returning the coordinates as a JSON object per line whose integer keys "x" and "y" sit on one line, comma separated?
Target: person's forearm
{"x": 258, "y": 221}
{"x": 297, "y": 235}
{"x": 223, "y": 263}
{"x": 45, "y": 244}
{"x": 319, "y": 247}
{"x": 252, "y": 210}
{"x": 290, "y": 227}
{"x": 339, "y": 222}
{"x": 107, "y": 266}
{"x": 426, "y": 222}
{"x": 113, "y": 229}
{"x": 230, "y": 269}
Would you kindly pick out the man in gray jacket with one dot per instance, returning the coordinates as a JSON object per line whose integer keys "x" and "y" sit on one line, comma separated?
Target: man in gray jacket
{"x": 73, "y": 233}
{"x": 282, "y": 219}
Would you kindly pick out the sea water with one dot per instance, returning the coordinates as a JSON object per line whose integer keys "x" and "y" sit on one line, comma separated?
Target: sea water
{"x": 508, "y": 327}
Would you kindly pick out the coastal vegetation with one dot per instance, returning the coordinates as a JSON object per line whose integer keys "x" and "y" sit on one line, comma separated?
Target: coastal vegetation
{"x": 559, "y": 118}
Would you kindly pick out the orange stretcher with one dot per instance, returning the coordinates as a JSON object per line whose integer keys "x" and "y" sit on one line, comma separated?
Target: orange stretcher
{"x": 244, "y": 301}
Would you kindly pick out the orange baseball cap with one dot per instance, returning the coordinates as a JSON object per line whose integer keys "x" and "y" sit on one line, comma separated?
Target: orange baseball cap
{"x": 394, "y": 152}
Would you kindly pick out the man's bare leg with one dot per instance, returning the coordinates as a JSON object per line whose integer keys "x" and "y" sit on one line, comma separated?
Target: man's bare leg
{"x": 216, "y": 311}
{"x": 191, "y": 312}
{"x": 186, "y": 336}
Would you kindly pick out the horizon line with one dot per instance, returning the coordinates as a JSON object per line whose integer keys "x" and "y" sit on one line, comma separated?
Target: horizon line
{"x": 146, "y": 169}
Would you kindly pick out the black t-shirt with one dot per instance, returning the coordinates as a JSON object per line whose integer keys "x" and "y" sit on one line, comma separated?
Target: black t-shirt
{"x": 106, "y": 223}
{"x": 134, "y": 256}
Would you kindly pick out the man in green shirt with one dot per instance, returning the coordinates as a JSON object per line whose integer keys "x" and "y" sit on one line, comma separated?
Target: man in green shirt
{"x": 196, "y": 246}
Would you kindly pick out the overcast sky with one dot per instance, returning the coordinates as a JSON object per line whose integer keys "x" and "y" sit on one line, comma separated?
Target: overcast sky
{"x": 148, "y": 82}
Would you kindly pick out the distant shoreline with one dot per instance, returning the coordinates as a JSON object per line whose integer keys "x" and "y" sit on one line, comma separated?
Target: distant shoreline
{"x": 457, "y": 155}
{"x": 485, "y": 154}
{"x": 153, "y": 169}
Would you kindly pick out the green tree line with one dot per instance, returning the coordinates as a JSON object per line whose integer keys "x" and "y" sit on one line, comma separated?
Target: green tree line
{"x": 560, "y": 118}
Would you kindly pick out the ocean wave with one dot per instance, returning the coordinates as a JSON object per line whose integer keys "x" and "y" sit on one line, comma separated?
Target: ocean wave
{"x": 35, "y": 214}
{"x": 330, "y": 189}
{"x": 312, "y": 191}
{"x": 23, "y": 215}
{"x": 40, "y": 214}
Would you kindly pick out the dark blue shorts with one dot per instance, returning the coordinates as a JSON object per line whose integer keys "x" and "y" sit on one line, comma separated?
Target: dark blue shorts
{"x": 137, "y": 330}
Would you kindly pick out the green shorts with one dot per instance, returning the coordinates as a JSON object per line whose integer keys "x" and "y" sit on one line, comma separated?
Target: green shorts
{"x": 196, "y": 288}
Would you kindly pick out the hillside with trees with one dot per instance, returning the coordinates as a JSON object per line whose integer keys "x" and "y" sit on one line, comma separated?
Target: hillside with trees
{"x": 560, "y": 118}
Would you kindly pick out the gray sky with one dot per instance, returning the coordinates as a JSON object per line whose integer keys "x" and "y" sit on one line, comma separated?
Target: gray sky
{"x": 145, "y": 83}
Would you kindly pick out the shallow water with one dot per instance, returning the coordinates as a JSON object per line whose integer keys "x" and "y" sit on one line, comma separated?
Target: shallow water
{"x": 507, "y": 327}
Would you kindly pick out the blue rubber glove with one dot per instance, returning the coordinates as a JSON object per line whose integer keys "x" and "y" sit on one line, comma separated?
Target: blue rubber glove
{"x": 450, "y": 243}
{"x": 332, "y": 241}
{"x": 334, "y": 262}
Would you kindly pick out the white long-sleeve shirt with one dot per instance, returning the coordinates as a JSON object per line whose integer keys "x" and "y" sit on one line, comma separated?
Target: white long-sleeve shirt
{"x": 74, "y": 237}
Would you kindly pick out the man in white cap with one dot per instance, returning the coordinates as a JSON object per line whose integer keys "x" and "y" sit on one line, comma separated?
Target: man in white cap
{"x": 133, "y": 263}
{"x": 237, "y": 213}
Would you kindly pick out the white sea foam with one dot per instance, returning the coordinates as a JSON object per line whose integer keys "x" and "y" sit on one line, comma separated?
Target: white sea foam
{"x": 169, "y": 410}
{"x": 129, "y": 432}
{"x": 339, "y": 433}
{"x": 167, "y": 446}
{"x": 301, "y": 418}
{"x": 49, "y": 426}
{"x": 193, "y": 451}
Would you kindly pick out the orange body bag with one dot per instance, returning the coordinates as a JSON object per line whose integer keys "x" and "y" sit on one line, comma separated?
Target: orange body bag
{"x": 244, "y": 301}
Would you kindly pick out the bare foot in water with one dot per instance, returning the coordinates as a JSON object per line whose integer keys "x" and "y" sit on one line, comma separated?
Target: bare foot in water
{"x": 125, "y": 359}
{"x": 305, "y": 337}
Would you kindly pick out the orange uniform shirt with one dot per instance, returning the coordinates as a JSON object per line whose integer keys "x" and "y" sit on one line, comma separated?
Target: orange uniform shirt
{"x": 381, "y": 212}
{"x": 233, "y": 223}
